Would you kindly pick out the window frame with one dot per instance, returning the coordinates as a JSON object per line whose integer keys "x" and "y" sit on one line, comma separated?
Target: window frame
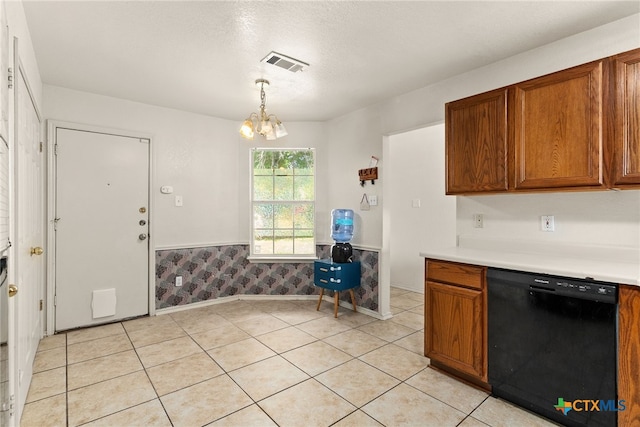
{"x": 271, "y": 257}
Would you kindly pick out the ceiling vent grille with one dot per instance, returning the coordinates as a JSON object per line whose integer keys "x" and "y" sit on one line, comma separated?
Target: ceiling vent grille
{"x": 284, "y": 61}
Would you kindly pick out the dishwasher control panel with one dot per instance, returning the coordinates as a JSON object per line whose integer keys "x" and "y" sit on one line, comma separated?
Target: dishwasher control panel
{"x": 566, "y": 286}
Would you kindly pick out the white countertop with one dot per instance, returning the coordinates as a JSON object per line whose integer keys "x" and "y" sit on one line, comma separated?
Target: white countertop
{"x": 608, "y": 264}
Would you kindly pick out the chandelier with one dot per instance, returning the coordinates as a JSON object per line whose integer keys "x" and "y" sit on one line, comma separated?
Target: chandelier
{"x": 262, "y": 123}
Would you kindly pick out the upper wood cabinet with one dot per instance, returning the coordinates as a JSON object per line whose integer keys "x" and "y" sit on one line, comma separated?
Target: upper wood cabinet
{"x": 576, "y": 129}
{"x": 477, "y": 143}
{"x": 557, "y": 129}
{"x": 625, "y": 123}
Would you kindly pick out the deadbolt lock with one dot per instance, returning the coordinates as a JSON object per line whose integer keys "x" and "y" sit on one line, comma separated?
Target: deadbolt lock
{"x": 142, "y": 222}
{"x": 13, "y": 290}
{"x": 142, "y": 209}
{"x": 142, "y": 236}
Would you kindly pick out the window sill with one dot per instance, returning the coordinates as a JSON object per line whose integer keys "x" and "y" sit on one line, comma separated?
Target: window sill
{"x": 282, "y": 259}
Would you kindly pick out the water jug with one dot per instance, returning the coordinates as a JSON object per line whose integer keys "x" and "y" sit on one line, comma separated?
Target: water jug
{"x": 342, "y": 225}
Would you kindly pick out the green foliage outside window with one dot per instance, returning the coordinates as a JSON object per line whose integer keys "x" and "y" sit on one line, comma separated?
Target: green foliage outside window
{"x": 283, "y": 200}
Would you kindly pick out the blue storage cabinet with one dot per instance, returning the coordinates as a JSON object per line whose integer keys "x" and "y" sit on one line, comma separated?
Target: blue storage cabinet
{"x": 336, "y": 277}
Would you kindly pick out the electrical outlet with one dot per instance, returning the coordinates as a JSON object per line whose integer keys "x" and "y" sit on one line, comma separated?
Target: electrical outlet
{"x": 547, "y": 223}
{"x": 178, "y": 280}
{"x": 178, "y": 201}
{"x": 373, "y": 200}
{"x": 478, "y": 221}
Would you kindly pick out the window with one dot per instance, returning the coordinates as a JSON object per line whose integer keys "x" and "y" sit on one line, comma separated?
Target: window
{"x": 283, "y": 203}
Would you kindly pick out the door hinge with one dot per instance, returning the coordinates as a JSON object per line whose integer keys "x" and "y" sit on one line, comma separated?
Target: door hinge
{"x": 55, "y": 224}
{"x": 55, "y": 149}
{"x": 10, "y": 78}
{"x": 55, "y": 300}
{"x": 41, "y": 304}
{"x": 41, "y": 146}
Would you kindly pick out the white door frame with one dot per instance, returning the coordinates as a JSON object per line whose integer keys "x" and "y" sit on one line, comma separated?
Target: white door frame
{"x": 52, "y": 126}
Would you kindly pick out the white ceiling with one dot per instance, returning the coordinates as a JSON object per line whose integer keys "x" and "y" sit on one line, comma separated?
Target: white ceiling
{"x": 203, "y": 56}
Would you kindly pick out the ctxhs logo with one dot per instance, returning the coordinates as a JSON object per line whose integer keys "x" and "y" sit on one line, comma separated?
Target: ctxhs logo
{"x": 589, "y": 405}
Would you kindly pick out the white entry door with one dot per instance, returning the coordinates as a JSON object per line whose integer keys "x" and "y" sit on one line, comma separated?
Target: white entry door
{"x": 102, "y": 222}
{"x": 25, "y": 321}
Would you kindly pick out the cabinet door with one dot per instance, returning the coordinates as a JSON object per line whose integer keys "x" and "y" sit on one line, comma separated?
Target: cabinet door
{"x": 476, "y": 143}
{"x": 628, "y": 350}
{"x": 557, "y": 129}
{"x": 626, "y": 126}
{"x": 453, "y": 330}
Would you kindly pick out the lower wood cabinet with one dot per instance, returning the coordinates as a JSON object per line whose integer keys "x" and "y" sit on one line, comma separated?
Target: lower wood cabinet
{"x": 455, "y": 319}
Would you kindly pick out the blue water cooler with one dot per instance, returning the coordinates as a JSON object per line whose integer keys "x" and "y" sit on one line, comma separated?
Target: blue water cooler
{"x": 342, "y": 233}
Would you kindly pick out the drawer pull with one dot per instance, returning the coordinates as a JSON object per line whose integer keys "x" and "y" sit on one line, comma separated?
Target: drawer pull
{"x": 323, "y": 269}
{"x": 324, "y": 280}
{"x": 335, "y": 280}
{"x": 336, "y": 268}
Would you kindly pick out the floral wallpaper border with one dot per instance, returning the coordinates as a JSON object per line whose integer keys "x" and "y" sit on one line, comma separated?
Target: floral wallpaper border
{"x": 219, "y": 271}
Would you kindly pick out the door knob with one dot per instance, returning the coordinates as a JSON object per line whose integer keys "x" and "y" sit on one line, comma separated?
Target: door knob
{"x": 142, "y": 236}
{"x": 37, "y": 251}
{"x": 13, "y": 290}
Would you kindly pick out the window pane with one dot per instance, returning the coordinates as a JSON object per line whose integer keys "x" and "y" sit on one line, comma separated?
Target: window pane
{"x": 283, "y": 188}
{"x": 283, "y": 242}
{"x": 303, "y": 188}
{"x": 262, "y": 216}
{"x": 261, "y": 172}
{"x": 283, "y": 171}
{"x": 303, "y": 216}
{"x": 263, "y": 161}
{"x": 262, "y": 188}
{"x": 303, "y": 160}
{"x": 303, "y": 242}
{"x": 283, "y": 216}
{"x": 263, "y": 242}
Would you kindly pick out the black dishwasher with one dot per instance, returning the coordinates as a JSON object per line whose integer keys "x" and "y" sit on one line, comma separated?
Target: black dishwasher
{"x": 553, "y": 346}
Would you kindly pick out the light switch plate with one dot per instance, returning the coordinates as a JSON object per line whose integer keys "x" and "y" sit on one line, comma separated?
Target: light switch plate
{"x": 373, "y": 200}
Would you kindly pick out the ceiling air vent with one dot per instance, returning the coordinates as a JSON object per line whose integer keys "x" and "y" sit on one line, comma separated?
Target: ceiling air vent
{"x": 284, "y": 61}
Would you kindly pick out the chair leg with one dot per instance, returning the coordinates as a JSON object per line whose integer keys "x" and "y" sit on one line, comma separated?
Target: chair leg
{"x": 335, "y": 304}
{"x": 353, "y": 300}
{"x": 320, "y": 299}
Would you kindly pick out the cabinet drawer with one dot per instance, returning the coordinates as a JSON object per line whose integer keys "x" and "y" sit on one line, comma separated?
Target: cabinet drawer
{"x": 454, "y": 273}
{"x": 336, "y": 276}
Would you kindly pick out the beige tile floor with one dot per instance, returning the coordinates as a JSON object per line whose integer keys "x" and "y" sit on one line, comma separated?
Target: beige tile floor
{"x": 256, "y": 363}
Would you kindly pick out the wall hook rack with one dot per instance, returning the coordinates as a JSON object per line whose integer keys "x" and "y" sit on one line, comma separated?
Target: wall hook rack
{"x": 368, "y": 174}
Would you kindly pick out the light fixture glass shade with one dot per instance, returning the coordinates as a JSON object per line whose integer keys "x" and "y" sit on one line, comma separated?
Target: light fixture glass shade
{"x": 265, "y": 128}
{"x": 246, "y": 130}
{"x": 280, "y": 130}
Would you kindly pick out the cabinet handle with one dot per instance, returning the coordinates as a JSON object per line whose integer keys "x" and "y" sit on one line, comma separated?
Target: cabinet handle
{"x": 323, "y": 269}
{"x": 336, "y": 268}
{"x": 324, "y": 281}
{"x": 335, "y": 280}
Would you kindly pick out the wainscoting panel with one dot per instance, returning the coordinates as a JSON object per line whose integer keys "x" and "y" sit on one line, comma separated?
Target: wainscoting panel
{"x": 221, "y": 271}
